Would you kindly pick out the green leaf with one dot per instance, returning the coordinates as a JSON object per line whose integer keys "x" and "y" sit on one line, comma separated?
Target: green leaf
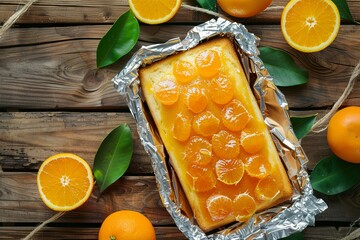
{"x": 282, "y": 67}
{"x": 294, "y": 236}
{"x": 302, "y": 125}
{"x": 113, "y": 156}
{"x": 119, "y": 40}
{"x": 207, "y": 4}
{"x": 333, "y": 175}
{"x": 344, "y": 10}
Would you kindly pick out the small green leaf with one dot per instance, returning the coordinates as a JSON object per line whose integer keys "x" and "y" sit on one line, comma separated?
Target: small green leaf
{"x": 207, "y": 4}
{"x": 333, "y": 175}
{"x": 302, "y": 125}
{"x": 282, "y": 67}
{"x": 113, "y": 156}
{"x": 344, "y": 10}
{"x": 119, "y": 40}
{"x": 294, "y": 236}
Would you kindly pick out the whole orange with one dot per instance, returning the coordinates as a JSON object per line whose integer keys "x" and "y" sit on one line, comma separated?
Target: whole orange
{"x": 126, "y": 225}
{"x": 243, "y": 8}
{"x": 344, "y": 134}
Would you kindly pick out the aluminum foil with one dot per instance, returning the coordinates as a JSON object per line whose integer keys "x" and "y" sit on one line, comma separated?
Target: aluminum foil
{"x": 273, "y": 223}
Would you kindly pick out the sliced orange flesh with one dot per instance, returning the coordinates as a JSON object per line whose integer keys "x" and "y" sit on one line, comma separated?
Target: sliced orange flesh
{"x": 229, "y": 171}
{"x": 198, "y": 151}
{"x": 182, "y": 127}
{"x": 221, "y": 89}
{"x": 252, "y": 140}
{"x": 234, "y": 116}
{"x": 267, "y": 188}
{"x": 167, "y": 92}
{"x": 244, "y": 207}
{"x": 154, "y": 11}
{"x": 206, "y": 124}
{"x": 201, "y": 179}
{"x": 310, "y": 26}
{"x": 184, "y": 71}
{"x": 258, "y": 166}
{"x": 225, "y": 145}
{"x": 219, "y": 207}
{"x": 196, "y": 100}
{"x": 65, "y": 181}
{"x": 208, "y": 63}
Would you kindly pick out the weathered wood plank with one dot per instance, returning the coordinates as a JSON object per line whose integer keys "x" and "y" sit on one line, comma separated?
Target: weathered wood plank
{"x": 90, "y": 12}
{"x": 162, "y": 233}
{"x": 21, "y": 203}
{"x": 28, "y": 138}
{"x": 65, "y": 68}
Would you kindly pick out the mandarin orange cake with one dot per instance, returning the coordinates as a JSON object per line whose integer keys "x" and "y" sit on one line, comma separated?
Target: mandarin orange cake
{"x": 214, "y": 133}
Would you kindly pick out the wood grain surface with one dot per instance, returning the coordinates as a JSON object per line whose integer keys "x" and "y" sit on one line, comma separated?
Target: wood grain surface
{"x": 54, "y": 99}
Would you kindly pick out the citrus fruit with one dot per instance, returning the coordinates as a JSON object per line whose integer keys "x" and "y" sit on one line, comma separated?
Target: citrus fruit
{"x": 244, "y": 207}
{"x": 65, "y": 181}
{"x": 243, "y": 8}
{"x": 251, "y": 140}
{"x": 196, "y": 100}
{"x": 206, "y": 124}
{"x": 258, "y": 166}
{"x": 225, "y": 145}
{"x": 167, "y": 91}
{"x": 310, "y": 26}
{"x": 154, "y": 11}
{"x": 184, "y": 71}
{"x": 198, "y": 151}
{"x": 201, "y": 179}
{"x": 221, "y": 89}
{"x": 219, "y": 206}
{"x": 182, "y": 127}
{"x": 126, "y": 225}
{"x": 229, "y": 171}
{"x": 234, "y": 116}
{"x": 343, "y": 134}
{"x": 267, "y": 188}
{"x": 208, "y": 63}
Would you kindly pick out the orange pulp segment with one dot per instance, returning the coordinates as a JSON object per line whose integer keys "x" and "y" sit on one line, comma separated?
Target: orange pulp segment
{"x": 206, "y": 124}
{"x": 201, "y": 179}
{"x": 252, "y": 140}
{"x": 244, "y": 207}
{"x": 65, "y": 181}
{"x": 167, "y": 92}
{"x": 184, "y": 71}
{"x": 219, "y": 206}
{"x": 229, "y": 171}
{"x": 196, "y": 100}
{"x": 234, "y": 116}
{"x": 267, "y": 188}
{"x": 225, "y": 145}
{"x": 182, "y": 127}
{"x": 221, "y": 89}
{"x": 154, "y": 11}
{"x": 310, "y": 26}
{"x": 198, "y": 151}
{"x": 208, "y": 63}
{"x": 258, "y": 166}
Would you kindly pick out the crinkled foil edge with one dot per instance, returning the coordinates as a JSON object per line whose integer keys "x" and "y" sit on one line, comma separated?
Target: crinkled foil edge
{"x": 287, "y": 218}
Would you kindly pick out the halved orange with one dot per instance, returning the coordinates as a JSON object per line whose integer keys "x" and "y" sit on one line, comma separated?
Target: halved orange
{"x": 154, "y": 11}
{"x": 65, "y": 181}
{"x": 310, "y": 26}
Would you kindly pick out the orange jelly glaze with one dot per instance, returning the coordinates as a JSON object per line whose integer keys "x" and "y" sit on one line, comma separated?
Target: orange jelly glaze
{"x": 201, "y": 98}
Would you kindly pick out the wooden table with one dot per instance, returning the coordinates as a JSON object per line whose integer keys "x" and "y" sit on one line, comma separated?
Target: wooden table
{"x": 53, "y": 99}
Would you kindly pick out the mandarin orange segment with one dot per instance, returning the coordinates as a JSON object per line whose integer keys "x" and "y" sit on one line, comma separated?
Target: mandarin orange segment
{"x": 221, "y": 89}
{"x": 258, "y": 166}
{"x": 184, "y": 71}
{"x": 219, "y": 206}
{"x": 252, "y": 140}
{"x": 198, "y": 151}
{"x": 206, "y": 124}
{"x": 65, "y": 181}
{"x": 196, "y": 100}
{"x": 182, "y": 127}
{"x": 229, "y": 171}
{"x": 225, "y": 145}
{"x": 167, "y": 92}
{"x": 201, "y": 179}
{"x": 234, "y": 116}
{"x": 244, "y": 207}
{"x": 267, "y": 188}
{"x": 208, "y": 63}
